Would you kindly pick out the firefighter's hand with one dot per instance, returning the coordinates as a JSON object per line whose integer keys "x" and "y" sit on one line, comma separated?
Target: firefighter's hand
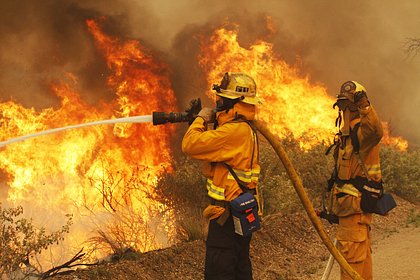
{"x": 360, "y": 99}
{"x": 207, "y": 114}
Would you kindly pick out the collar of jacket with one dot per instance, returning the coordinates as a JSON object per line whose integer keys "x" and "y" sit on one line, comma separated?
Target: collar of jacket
{"x": 246, "y": 111}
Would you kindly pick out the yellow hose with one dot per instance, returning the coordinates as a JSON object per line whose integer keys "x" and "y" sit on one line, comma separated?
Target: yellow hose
{"x": 297, "y": 183}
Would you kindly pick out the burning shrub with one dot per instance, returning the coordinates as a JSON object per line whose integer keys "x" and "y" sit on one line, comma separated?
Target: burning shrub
{"x": 131, "y": 217}
{"x": 20, "y": 240}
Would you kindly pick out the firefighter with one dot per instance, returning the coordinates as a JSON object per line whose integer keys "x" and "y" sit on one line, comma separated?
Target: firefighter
{"x": 357, "y": 168}
{"x": 232, "y": 142}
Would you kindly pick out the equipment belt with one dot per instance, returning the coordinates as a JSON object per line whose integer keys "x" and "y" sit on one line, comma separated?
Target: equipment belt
{"x": 225, "y": 215}
{"x": 362, "y": 184}
{"x": 221, "y": 203}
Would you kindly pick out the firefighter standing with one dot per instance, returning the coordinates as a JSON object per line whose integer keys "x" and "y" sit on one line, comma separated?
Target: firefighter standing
{"x": 233, "y": 142}
{"x": 357, "y": 166}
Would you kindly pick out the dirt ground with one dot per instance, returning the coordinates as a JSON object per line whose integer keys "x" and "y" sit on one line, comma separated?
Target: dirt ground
{"x": 395, "y": 257}
{"x": 286, "y": 248}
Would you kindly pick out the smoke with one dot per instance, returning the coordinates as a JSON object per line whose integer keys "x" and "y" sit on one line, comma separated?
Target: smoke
{"x": 332, "y": 41}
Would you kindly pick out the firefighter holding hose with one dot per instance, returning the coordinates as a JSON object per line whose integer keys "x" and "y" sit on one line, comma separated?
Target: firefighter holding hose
{"x": 356, "y": 182}
{"x": 231, "y": 153}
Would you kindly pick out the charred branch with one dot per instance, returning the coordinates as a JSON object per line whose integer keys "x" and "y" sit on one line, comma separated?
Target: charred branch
{"x": 67, "y": 265}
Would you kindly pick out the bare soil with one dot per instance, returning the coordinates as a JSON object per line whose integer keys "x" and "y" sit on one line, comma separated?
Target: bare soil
{"x": 395, "y": 257}
{"x": 286, "y": 248}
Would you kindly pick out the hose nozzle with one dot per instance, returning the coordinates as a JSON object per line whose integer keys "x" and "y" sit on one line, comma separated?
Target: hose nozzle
{"x": 175, "y": 117}
{"x": 172, "y": 117}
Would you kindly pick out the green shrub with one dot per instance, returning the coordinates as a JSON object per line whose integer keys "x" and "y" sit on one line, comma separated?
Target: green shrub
{"x": 414, "y": 217}
{"x": 20, "y": 239}
{"x": 312, "y": 165}
{"x": 401, "y": 172}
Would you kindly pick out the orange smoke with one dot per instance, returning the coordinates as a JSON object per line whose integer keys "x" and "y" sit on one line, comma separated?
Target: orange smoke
{"x": 101, "y": 174}
{"x": 291, "y": 103}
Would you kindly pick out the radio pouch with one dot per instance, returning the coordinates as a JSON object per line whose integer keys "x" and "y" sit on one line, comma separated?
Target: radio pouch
{"x": 244, "y": 208}
{"x": 244, "y": 211}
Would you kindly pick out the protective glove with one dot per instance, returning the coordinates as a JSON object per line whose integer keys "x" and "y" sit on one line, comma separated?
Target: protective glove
{"x": 360, "y": 99}
{"x": 193, "y": 110}
{"x": 194, "y": 107}
{"x": 207, "y": 114}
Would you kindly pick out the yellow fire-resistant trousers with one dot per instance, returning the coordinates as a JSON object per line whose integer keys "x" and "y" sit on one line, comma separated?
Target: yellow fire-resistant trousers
{"x": 354, "y": 244}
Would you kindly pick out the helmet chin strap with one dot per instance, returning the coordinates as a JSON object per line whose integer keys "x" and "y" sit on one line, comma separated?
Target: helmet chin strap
{"x": 225, "y": 104}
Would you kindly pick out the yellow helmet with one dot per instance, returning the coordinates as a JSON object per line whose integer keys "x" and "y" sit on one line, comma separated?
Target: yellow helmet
{"x": 238, "y": 85}
{"x": 348, "y": 90}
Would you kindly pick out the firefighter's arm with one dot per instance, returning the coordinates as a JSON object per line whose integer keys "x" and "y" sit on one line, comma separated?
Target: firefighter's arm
{"x": 209, "y": 145}
{"x": 370, "y": 131}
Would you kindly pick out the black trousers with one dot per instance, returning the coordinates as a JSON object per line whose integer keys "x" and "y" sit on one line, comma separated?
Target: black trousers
{"x": 227, "y": 253}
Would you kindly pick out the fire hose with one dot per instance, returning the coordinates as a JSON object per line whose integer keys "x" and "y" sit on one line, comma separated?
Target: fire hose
{"x": 188, "y": 116}
{"x": 195, "y": 106}
{"x": 297, "y": 184}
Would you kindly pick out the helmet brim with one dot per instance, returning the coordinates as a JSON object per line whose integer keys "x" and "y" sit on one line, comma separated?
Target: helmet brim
{"x": 254, "y": 100}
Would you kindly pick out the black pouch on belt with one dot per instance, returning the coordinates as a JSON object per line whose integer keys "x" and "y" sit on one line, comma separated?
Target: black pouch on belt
{"x": 385, "y": 204}
{"x": 374, "y": 200}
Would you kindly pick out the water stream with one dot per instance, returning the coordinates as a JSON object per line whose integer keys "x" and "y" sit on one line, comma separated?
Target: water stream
{"x": 135, "y": 119}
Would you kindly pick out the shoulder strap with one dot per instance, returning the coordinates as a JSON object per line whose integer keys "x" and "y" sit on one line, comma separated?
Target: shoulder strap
{"x": 356, "y": 148}
{"x": 241, "y": 183}
{"x": 354, "y": 140}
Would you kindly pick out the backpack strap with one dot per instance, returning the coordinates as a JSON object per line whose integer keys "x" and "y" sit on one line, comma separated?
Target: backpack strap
{"x": 356, "y": 148}
{"x": 241, "y": 183}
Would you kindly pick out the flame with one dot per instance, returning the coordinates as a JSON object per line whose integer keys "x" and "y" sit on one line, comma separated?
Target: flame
{"x": 104, "y": 175}
{"x": 291, "y": 103}
{"x": 394, "y": 141}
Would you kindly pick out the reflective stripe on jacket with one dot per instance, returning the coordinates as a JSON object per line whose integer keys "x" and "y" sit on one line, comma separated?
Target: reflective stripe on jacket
{"x": 233, "y": 142}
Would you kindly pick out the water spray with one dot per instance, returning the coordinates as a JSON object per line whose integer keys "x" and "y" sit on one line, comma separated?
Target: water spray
{"x": 158, "y": 118}
{"x": 135, "y": 119}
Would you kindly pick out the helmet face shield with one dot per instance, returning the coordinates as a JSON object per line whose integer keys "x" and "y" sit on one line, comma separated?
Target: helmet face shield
{"x": 347, "y": 91}
{"x": 345, "y": 103}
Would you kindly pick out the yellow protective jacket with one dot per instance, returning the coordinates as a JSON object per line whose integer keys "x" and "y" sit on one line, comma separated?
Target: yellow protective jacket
{"x": 347, "y": 207}
{"x": 233, "y": 142}
{"x": 369, "y": 134}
